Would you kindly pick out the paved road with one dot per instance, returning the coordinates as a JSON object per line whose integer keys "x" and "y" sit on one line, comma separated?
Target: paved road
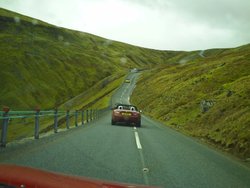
{"x": 152, "y": 154}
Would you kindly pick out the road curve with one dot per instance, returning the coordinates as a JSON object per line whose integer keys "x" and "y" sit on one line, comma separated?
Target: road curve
{"x": 153, "y": 154}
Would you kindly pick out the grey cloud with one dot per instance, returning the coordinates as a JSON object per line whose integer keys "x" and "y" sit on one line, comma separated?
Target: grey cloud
{"x": 165, "y": 24}
{"x": 228, "y": 15}
{"x": 157, "y": 4}
{"x": 216, "y": 12}
{"x": 211, "y": 11}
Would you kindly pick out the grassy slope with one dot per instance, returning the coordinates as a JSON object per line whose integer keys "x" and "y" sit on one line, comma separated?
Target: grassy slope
{"x": 97, "y": 97}
{"x": 173, "y": 94}
{"x": 43, "y": 65}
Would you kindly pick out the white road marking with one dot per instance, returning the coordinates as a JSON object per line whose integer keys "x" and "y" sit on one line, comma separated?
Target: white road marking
{"x": 145, "y": 170}
{"x": 137, "y": 139}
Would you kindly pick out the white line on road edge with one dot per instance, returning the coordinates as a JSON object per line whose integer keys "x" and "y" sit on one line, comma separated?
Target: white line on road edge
{"x": 138, "y": 143}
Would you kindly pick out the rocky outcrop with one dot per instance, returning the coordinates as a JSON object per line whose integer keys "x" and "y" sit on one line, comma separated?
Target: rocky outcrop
{"x": 206, "y": 105}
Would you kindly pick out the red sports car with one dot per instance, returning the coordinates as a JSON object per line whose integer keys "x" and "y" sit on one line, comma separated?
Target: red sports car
{"x": 126, "y": 113}
{"x": 12, "y": 176}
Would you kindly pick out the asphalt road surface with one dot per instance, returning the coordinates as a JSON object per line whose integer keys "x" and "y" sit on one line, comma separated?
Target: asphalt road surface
{"x": 153, "y": 154}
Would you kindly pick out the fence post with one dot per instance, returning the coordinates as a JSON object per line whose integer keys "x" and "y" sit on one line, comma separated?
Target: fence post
{"x": 67, "y": 119}
{"x": 87, "y": 116}
{"x": 36, "y": 135}
{"x": 5, "y": 126}
{"x": 55, "y": 120}
{"x": 76, "y": 117}
{"x": 82, "y": 117}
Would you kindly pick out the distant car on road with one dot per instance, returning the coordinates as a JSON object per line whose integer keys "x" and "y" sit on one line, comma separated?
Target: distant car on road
{"x": 134, "y": 70}
{"x": 126, "y": 113}
{"x": 127, "y": 81}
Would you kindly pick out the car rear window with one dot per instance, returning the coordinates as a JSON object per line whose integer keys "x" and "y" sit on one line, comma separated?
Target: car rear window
{"x": 126, "y": 107}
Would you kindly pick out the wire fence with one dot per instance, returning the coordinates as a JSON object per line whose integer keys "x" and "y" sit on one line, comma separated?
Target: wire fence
{"x": 16, "y": 125}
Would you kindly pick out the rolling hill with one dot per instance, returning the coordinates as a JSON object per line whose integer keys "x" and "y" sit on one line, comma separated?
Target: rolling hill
{"x": 207, "y": 97}
{"x": 44, "y": 65}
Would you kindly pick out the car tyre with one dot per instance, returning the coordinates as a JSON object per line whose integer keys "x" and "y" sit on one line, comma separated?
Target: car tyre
{"x": 138, "y": 124}
{"x": 112, "y": 122}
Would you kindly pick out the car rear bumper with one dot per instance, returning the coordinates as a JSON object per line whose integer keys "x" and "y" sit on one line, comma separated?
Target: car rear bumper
{"x": 126, "y": 119}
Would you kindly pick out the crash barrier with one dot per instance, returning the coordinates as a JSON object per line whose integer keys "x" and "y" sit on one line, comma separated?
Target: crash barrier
{"x": 21, "y": 124}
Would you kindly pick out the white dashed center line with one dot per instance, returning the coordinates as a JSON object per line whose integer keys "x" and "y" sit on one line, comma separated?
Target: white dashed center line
{"x": 145, "y": 170}
{"x": 137, "y": 139}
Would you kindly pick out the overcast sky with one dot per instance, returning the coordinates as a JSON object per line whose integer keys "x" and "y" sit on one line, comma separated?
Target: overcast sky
{"x": 158, "y": 24}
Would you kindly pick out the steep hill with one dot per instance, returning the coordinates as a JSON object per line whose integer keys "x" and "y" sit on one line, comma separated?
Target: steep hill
{"x": 44, "y": 65}
{"x": 207, "y": 97}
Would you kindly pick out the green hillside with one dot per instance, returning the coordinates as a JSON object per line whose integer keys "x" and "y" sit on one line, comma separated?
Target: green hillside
{"x": 206, "y": 97}
{"x": 44, "y": 65}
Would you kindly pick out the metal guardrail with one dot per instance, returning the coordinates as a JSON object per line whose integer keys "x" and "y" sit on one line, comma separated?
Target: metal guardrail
{"x": 7, "y": 115}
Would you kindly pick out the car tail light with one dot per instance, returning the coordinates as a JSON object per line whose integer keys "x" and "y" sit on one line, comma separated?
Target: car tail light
{"x": 135, "y": 113}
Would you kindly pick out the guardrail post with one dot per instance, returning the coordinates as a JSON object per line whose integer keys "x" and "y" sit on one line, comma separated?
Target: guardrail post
{"x": 87, "y": 116}
{"x": 5, "y": 126}
{"x": 95, "y": 114}
{"x": 67, "y": 119}
{"x": 55, "y": 120}
{"x": 91, "y": 115}
{"x": 36, "y": 135}
{"x": 82, "y": 117}
{"x": 76, "y": 117}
